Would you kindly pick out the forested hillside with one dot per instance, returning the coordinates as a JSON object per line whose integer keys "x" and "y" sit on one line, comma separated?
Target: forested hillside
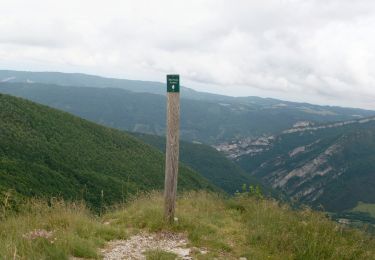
{"x": 204, "y": 159}
{"x": 46, "y": 153}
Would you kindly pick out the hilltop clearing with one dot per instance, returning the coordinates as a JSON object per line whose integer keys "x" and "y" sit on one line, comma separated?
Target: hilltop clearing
{"x": 207, "y": 226}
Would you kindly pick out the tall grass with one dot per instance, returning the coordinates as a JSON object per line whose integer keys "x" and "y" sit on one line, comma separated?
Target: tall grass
{"x": 248, "y": 226}
{"x": 227, "y": 228}
{"x": 54, "y": 230}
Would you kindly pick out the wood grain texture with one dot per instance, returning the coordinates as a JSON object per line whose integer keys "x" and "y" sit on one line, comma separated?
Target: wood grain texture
{"x": 172, "y": 154}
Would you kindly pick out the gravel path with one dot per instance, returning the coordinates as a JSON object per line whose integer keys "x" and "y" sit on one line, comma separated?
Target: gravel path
{"x": 134, "y": 247}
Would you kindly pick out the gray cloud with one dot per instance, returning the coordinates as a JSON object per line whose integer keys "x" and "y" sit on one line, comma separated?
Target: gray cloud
{"x": 320, "y": 51}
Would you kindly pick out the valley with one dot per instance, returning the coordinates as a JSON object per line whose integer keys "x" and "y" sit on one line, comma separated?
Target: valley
{"x": 314, "y": 155}
{"x": 47, "y": 153}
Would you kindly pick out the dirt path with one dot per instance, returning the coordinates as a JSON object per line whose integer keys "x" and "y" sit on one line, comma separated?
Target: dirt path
{"x": 135, "y": 247}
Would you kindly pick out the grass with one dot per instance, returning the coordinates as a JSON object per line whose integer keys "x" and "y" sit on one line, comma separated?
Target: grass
{"x": 54, "y": 230}
{"x": 160, "y": 255}
{"x": 228, "y": 228}
{"x": 248, "y": 227}
{"x": 365, "y": 207}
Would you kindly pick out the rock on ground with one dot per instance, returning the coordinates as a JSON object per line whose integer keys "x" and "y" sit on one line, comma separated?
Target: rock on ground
{"x": 135, "y": 247}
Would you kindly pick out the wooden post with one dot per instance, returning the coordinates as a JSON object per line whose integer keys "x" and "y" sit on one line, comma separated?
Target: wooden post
{"x": 172, "y": 146}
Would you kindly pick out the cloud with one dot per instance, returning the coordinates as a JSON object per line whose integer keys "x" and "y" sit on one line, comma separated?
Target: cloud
{"x": 320, "y": 51}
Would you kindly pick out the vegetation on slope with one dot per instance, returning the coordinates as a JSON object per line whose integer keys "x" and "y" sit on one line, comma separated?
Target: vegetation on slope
{"x": 204, "y": 159}
{"x": 53, "y": 230}
{"x": 365, "y": 207}
{"x": 45, "y": 152}
{"x": 243, "y": 226}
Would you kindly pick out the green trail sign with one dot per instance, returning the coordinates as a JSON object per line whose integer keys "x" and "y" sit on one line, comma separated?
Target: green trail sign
{"x": 173, "y": 83}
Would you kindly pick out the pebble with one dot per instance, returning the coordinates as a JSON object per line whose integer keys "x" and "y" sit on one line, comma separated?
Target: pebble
{"x": 135, "y": 247}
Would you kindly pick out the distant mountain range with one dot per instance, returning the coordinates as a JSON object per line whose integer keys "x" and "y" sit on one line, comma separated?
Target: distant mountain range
{"x": 206, "y": 118}
{"x": 84, "y": 80}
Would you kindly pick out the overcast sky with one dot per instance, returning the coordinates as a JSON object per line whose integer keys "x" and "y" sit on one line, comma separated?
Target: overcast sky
{"x": 318, "y": 51}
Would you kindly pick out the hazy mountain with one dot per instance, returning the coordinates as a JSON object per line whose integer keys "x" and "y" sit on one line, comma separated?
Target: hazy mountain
{"x": 46, "y": 153}
{"x": 206, "y": 121}
{"x": 84, "y": 80}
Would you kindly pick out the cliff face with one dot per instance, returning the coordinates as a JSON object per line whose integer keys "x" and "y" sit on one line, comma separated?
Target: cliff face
{"x": 332, "y": 165}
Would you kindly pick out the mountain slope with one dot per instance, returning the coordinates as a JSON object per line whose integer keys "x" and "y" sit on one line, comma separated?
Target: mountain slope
{"x": 332, "y": 165}
{"x": 209, "y": 122}
{"x": 204, "y": 159}
{"x": 45, "y": 152}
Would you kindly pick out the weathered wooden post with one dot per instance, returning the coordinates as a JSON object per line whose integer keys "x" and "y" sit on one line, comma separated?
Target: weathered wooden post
{"x": 172, "y": 145}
